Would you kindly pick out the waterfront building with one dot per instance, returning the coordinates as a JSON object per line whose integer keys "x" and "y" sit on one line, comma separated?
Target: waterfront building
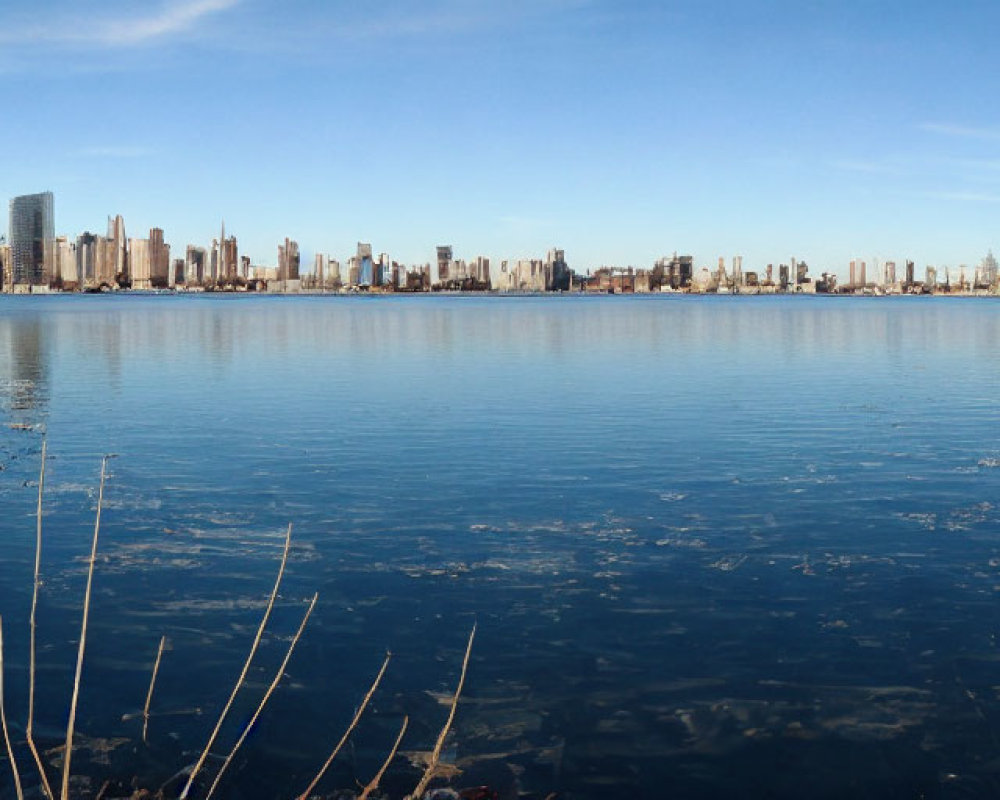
{"x": 223, "y": 266}
{"x": 106, "y": 252}
{"x": 364, "y": 264}
{"x": 737, "y": 270}
{"x": 159, "y": 260}
{"x": 557, "y": 272}
{"x": 890, "y": 273}
{"x": 859, "y": 278}
{"x": 31, "y": 231}
{"x": 86, "y": 258}
{"x": 333, "y": 270}
{"x": 909, "y": 273}
{"x": 444, "y": 257}
{"x": 6, "y": 283}
{"x": 117, "y": 257}
{"x": 194, "y": 265}
{"x": 212, "y": 262}
{"x": 139, "y": 263}
{"x": 481, "y": 271}
{"x": 288, "y": 261}
{"x": 319, "y": 264}
{"x": 801, "y": 271}
{"x": 230, "y": 259}
{"x": 930, "y": 278}
{"x": 986, "y": 274}
{"x": 177, "y": 272}
{"x": 64, "y": 260}
{"x": 381, "y": 270}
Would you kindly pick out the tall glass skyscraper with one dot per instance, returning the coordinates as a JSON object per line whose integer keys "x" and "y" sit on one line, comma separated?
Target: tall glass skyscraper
{"x": 32, "y": 232}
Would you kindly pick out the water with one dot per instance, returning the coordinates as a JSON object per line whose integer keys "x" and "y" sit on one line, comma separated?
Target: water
{"x": 714, "y": 546}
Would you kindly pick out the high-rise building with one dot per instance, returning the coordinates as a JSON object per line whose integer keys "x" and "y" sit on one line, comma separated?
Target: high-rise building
{"x": 365, "y": 267}
{"x": 319, "y": 270}
{"x": 890, "y": 273}
{"x": 5, "y": 267}
{"x": 139, "y": 264}
{"x": 159, "y": 260}
{"x": 557, "y": 271}
{"x": 86, "y": 258}
{"x": 194, "y": 264}
{"x": 444, "y": 257}
{"x": 482, "y": 270}
{"x": 909, "y": 273}
{"x": 988, "y": 270}
{"x": 288, "y": 261}
{"x": 119, "y": 266}
{"x": 104, "y": 262}
{"x": 32, "y": 231}
{"x": 859, "y": 277}
{"x": 64, "y": 263}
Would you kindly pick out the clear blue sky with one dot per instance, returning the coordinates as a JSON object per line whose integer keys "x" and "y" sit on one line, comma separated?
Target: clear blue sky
{"x": 620, "y": 131}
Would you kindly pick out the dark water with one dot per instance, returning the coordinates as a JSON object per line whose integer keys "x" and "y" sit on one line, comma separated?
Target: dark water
{"x": 716, "y": 547}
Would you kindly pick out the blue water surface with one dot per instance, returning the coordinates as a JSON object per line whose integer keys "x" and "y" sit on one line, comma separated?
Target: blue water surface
{"x": 714, "y": 546}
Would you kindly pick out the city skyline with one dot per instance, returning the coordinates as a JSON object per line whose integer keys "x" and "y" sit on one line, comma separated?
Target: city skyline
{"x": 619, "y": 130}
{"x": 37, "y": 259}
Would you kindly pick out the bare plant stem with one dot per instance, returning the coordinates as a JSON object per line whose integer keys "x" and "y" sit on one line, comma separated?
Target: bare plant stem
{"x": 267, "y": 695}
{"x": 149, "y": 694}
{"x": 83, "y": 639}
{"x": 29, "y": 728}
{"x": 3, "y": 720}
{"x": 371, "y": 787}
{"x": 432, "y": 764}
{"x": 246, "y": 667}
{"x": 349, "y": 731}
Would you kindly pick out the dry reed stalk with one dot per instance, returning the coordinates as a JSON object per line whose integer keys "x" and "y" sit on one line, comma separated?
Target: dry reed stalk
{"x": 149, "y": 694}
{"x": 3, "y": 719}
{"x": 267, "y": 695}
{"x": 432, "y": 763}
{"x": 64, "y": 794}
{"x": 246, "y": 667}
{"x": 349, "y": 731}
{"x": 371, "y": 787}
{"x": 29, "y": 728}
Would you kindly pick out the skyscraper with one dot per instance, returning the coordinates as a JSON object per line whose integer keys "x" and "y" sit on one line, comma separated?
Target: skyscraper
{"x": 159, "y": 259}
{"x": 116, "y": 235}
{"x": 444, "y": 253}
{"x": 32, "y": 231}
{"x": 288, "y": 261}
{"x": 365, "y": 272}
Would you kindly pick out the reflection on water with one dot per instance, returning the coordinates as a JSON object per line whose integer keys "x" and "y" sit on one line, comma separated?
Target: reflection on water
{"x": 23, "y": 377}
{"x": 715, "y": 546}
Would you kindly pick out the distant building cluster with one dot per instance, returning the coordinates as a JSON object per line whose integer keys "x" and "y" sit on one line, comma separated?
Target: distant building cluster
{"x": 34, "y": 259}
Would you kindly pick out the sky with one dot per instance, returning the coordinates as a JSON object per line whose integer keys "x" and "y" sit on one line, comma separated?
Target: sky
{"x": 618, "y": 130}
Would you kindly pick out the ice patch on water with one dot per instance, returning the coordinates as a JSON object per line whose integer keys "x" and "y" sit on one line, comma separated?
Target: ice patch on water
{"x": 672, "y": 497}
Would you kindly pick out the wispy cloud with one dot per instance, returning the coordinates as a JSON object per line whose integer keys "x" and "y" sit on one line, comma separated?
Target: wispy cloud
{"x": 962, "y": 131}
{"x": 172, "y": 18}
